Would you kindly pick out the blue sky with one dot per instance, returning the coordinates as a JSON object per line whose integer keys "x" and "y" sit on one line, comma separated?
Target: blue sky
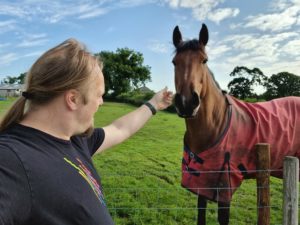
{"x": 252, "y": 33}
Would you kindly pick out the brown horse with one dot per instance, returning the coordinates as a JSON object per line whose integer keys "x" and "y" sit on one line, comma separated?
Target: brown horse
{"x": 221, "y": 131}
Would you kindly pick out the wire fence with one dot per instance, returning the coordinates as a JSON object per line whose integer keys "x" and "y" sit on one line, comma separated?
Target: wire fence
{"x": 154, "y": 204}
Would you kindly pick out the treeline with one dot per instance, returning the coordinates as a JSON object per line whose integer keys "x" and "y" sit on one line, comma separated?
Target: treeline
{"x": 14, "y": 80}
{"x": 278, "y": 85}
{"x": 125, "y": 74}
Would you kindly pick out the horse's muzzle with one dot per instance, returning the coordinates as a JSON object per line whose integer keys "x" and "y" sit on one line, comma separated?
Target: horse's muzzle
{"x": 187, "y": 108}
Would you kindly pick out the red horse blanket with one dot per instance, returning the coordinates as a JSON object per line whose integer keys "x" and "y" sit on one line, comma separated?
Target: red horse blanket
{"x": 217, "y": 172}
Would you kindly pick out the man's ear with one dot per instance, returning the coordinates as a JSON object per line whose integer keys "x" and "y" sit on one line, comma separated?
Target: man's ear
{"x": 72, "y": 99}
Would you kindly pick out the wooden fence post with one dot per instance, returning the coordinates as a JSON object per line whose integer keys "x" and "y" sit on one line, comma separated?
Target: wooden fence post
{"x": 263, "y": 183}
{"x": 290, "y": 190}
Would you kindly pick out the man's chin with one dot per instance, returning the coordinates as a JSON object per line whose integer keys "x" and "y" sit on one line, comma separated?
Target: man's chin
{"x": 88, "y": 132}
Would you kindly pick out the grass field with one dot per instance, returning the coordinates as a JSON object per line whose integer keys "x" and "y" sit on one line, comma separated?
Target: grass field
{"x": 141, "y": 177}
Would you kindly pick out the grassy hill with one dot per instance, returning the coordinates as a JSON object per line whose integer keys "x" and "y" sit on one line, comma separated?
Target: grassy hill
{"x": 141, "y": 177}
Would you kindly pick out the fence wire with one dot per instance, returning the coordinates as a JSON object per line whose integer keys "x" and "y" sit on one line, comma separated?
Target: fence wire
{"x": 153, "y": 204}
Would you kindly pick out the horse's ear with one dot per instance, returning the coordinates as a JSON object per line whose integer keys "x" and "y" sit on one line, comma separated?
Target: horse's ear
{"x": 203, "y": 36}
{"x": 177, "y": 38}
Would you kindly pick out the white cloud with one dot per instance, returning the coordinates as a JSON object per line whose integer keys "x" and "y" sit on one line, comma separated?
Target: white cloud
{"x": 194, "y": 3}
{"x": 278, "y": 21}
{"x": 205, "y": 9}
{"x": 32, "y": 54}
{"x": 32, "y": 36}
{"x": 47, "y": 11}
{"x": 292, "y": 48}
{"x": 173, "y": 3}
{"x": 132, "y": 3}
{"x": 55, "y": 11}
{"x": 31, "y": 40}
{"x": 3, "y": 45}
{"x": 238, "y": 58}
{"x": 221, "y": 14}
{"x": 8, "y": 58}
{"x": 93, "y": 13}
{"x": 58, "y": 13}
{"x": 271, "y": 53}
{"x": 283, "y": 66}
{"x": 157, "y": 47}
{"x": 298, "y": 21}
{"x": 279, "y": 4}
{"x": 234, "y": 26}
{"x": 284, "y": 36}
{"x": 272, "y": 22}
{"x": 32, "y": 43}
{"x": 12, "y": 9}
{"x": 201, "y": 13}
{"x": 8, "y": 25}
{"x": 256, "y": 45}
{"x": 217, "y": 51}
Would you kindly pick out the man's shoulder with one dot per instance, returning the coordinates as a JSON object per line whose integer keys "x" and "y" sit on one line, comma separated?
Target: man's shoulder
{"x": 10, "y": 138}
{"x": 7, "y": 151}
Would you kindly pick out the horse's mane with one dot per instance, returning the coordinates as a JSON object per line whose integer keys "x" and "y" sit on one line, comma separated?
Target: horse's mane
{"x": 195, "y": 46}
{"x": 213, "y": 77}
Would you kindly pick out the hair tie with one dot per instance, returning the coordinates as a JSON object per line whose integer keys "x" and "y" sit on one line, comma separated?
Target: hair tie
{"x": 26, "y": 95}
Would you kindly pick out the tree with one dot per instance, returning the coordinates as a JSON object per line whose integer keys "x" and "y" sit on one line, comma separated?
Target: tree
{"x": 10, "y": 80}
{"x": 124, "y": 70}
{"x": 282, "y": 84}
{"x": 242, "y": 85}
{"x": 21, "y": 78}
{"x": 15, "y": 80}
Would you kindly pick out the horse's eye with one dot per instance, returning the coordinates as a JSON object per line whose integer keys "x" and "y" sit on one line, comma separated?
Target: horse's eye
{"x": 173, "y": 61}
{"x": 205, "y": 61}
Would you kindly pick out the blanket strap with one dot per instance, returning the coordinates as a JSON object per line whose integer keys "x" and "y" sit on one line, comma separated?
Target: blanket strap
{"x": 226, "y": 161}
{"x": 192, "y": 155}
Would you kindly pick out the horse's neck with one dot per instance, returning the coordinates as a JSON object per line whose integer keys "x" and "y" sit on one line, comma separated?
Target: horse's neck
{"x": 206, "y": 127}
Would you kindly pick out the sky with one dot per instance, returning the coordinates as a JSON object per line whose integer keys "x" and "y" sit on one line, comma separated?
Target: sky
{"x": 252, "y": 33}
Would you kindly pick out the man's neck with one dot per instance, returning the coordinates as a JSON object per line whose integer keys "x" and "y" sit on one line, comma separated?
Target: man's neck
{"x": 50, "y": 119}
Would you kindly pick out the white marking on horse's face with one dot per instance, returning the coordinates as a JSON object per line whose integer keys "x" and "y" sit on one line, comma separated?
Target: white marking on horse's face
{"x": 196, "y": 110}
{"x": 186, "y": 74}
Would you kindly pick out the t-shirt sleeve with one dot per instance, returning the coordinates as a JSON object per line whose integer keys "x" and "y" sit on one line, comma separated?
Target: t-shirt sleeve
{"x": 96, "y": 140}
{"x": 15, "y": 198}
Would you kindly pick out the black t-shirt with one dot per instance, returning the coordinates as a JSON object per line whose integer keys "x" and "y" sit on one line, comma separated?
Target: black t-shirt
{"x": 49, "y": 181}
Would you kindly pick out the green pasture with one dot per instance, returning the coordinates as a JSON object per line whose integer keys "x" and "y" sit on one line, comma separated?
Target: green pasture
{"x": 141, "y": 177}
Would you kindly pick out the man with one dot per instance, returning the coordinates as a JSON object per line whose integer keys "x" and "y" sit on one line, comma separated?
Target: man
{"x": 47, "y": 140}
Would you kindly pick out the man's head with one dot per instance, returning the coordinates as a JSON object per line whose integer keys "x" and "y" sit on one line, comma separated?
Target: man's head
{"x": 68, "y": 66}
{"x": 64, "y": 67}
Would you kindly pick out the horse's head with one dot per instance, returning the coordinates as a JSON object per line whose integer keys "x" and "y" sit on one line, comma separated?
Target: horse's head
{"x": 190, "y": 72}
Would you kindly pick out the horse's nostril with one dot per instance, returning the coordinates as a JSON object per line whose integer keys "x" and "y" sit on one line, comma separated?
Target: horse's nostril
{"x": 195, "y": 99}
{"x": 177, "y": 99}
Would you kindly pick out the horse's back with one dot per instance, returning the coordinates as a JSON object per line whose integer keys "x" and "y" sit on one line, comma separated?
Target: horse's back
{"x": 282, "y": 110}
{"x": 276, "y": 122}
{"x": 285, "y": 111}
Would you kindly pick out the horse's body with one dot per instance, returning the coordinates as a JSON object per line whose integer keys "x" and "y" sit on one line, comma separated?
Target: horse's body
{"x": 233, "y": 157}
{"x": 221, "y": 131}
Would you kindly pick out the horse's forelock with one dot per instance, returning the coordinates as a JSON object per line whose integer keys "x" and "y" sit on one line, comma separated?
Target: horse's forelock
{"x": 189, "y": 45}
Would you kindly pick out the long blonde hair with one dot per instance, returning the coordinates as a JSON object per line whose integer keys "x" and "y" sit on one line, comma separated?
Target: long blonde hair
{"x": 64, "y": 67}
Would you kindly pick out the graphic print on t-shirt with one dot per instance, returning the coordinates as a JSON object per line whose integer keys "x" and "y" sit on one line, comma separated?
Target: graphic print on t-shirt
{"x": 87, "y": 175}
